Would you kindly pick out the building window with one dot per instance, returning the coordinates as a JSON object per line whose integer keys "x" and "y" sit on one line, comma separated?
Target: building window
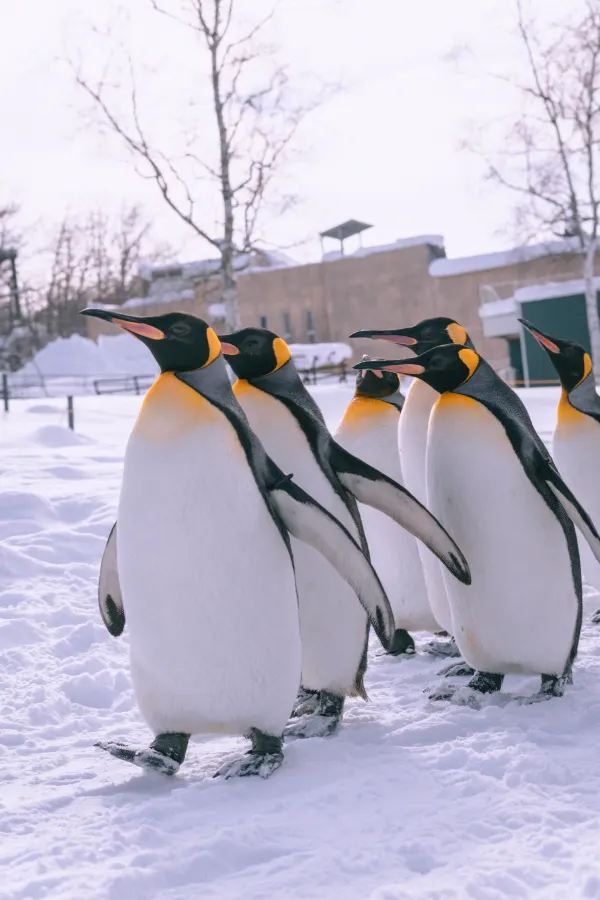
{"x": 311, "y": 334}
{"x": 287, "y": 326}
{"x": 263, "y": 321}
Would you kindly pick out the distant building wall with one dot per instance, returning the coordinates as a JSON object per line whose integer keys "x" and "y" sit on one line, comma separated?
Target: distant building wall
{"x": 387, "y": 287}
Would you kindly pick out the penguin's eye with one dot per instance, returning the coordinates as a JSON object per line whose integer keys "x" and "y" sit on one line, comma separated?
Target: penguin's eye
{"x": 179, "y": 329}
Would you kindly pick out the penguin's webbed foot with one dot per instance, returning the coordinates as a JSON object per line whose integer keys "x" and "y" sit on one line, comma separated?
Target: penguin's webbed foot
{"x": 441, "y": 647}
{"x": 457, "y": 670}
{"x": 262, "y": 764}
{"x": 312, "y": 726}
{"x": 552, "y": 686}
{"x": 323, "y": 723}
{"x": 307, "y": 702}
{"x": 469, "y": 694}
{"x": 486, "y": 682}
{"x": 265, "y": 757}
{"x": 150, "y": 758}
{"x": 402, "y": 644}
{"x": 596, "y": 617}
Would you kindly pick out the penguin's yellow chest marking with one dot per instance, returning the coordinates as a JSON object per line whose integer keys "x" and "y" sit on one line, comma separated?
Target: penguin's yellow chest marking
{"x": 568, "y": 417}
{"x": 171, "y": 409}
{"x": 243, "y": 390}
{"x": 367, "y": 408}
{"x": 450, "y": 401}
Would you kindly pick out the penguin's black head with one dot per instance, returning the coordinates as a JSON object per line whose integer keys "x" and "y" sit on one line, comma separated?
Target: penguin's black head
{"x": 427, "y": 334}
{"x": 572, "y": 362}
{"x": 376, "y": 383}
{"x": 443, "y": 368}
{"x": 253, "y": 352}
{"x": 178, "y": 342}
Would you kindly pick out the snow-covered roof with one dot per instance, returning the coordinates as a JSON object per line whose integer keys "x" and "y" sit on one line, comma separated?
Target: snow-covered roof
{"x": 552, "y": 289}
{"x": 441, "y": 268}
{"x": 497, "y": 308}
{"x": 420, "y": 240}
{"x": 162, "y": 297}
{"x": 204, "y": 268}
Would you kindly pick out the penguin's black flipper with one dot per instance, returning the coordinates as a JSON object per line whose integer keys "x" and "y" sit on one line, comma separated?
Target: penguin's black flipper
{"x": 307, "y": 521}
{"x": 572, "y": 507}
{"x": 110, "y": 599}
{"x": 370, "y": 486}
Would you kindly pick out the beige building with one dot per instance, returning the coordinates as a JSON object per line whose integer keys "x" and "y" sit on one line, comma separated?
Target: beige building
{"x": 389, "y": 286}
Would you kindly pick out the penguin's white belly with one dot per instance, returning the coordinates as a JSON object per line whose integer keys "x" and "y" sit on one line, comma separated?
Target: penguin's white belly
{"x": 520, "y": 612}
{"x": 207, "y": 580}
{"x": 412, "y": 444}
{"x": 394, "y": 552}
{"x": 576, "y": 452}
{"x": 333, "y": 624}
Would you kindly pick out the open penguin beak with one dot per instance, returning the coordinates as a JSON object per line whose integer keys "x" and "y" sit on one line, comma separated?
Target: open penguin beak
{"x": 542, "y": 339}
{"x": 134, "y": 324}
{"x": 395, "y": 336}
{"x": 400, "y": 366}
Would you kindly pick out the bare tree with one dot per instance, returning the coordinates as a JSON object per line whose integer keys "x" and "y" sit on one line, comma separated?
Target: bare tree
{"x": 255, "y": 118}
{"x": 93, "y": 259}
{"x": 551, "y": 158}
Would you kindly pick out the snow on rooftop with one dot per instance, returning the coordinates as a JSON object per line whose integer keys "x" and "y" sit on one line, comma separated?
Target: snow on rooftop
{"x": 204, "y": 268}
{"x": 552, "y": 289}
{"x": 432, "y": 240}
{"x": 441, "y": 268}
{"x": 497, "y": 308}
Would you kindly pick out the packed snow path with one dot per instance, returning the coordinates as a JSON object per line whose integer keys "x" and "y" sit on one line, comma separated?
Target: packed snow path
{"x": 412, "y": 799}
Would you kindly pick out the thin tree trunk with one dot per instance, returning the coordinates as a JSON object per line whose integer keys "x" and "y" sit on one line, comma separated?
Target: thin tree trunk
{"x": 230, "y": 293}
{"x": 591, "y": 305}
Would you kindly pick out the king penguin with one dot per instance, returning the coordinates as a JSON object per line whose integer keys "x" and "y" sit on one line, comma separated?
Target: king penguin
{"x": 576, "y": 440}
{"x": 412, "y": 445}
{"x": 199, "y": 565}
{"x": 289, "y": 423}
{"x": 491, "y": 481}
{"x": 369, "y": 430}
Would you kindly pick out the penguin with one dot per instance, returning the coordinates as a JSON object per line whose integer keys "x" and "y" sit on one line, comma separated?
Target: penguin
{"x": 491, "y": 480}
{"x": 576, "y": 439}
{"x": 289, "y": 423}
{"x": 199, "y": 566}
{"x": 412, "y": 445}
{"x": 369, "y": 430}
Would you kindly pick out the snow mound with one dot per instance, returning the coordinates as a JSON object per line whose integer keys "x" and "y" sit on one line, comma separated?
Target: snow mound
{"x": 113, "y": 355}
{"x": 43, "y": 408}
{"x": 58, "y": 436}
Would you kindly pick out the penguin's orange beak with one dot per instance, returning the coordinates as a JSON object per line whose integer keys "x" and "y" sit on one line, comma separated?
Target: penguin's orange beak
{"x": 229, "y": 349}
{"x": 134, "y": 324}
{"x": 544, "y": 341}
{"x": 142, "y": 329}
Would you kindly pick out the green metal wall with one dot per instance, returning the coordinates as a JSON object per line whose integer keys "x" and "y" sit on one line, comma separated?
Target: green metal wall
{"x": 561, "y": 317}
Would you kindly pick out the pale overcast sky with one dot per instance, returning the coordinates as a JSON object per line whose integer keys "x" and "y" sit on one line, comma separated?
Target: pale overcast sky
{"x": 385, "y": 150}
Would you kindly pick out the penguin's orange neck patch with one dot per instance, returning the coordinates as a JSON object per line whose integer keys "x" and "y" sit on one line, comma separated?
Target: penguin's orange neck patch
{"x": 361, "y": 409}
{"x": 171, "y": 408}
{"x": 567, "y": 415}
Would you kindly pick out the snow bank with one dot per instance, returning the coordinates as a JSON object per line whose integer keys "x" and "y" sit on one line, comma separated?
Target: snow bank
{"x": 80, "y": 356}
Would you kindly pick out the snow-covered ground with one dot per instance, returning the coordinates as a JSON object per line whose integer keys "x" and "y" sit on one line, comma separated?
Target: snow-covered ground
{"x": 412, "y": 799}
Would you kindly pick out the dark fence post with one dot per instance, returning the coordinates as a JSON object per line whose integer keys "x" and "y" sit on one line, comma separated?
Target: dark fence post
{"x": 70, "y": 413}
{"x": 5, "y": 390}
